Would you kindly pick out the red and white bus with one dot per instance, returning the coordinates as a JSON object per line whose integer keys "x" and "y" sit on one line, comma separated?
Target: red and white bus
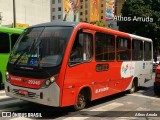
{"x": 63, "y": 64}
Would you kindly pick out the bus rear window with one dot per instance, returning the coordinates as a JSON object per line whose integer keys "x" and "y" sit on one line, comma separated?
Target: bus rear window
{"x": 14, "y": 38}
{"x": 4, "y": 43}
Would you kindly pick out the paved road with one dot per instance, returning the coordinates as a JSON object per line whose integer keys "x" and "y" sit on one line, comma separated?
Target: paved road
{"x": 121, "y": 106}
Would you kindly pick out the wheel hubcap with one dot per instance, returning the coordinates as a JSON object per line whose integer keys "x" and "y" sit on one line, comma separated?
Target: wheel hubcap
{"x": 81, "y": 101}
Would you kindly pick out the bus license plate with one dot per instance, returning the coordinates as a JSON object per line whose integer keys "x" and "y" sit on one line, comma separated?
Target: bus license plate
{"x": 23, "y": 92}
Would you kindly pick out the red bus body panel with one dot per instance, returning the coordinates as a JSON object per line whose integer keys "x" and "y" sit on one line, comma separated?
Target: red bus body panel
{"x": 85, "y": 74}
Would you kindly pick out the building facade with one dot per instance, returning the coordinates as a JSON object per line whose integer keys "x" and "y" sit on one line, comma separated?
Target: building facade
{"x": 92, "y": 10}
{"x": 27, "y": 11}
{"x": 118, "y": 7}
{"x": 57, "y": 10}
{"x": 33, "y": 12}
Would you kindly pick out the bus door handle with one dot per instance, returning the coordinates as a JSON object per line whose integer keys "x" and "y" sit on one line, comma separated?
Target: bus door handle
{"x": 108, "y": 80}
{"x": 93, "y": 83}
{"x": 70, "y": 86}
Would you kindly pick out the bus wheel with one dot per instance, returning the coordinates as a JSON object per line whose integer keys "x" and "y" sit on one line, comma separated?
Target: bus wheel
{"x": 81, "y": 101}
{"x": 134, "y": 87}
{"x": 156, "y": 90}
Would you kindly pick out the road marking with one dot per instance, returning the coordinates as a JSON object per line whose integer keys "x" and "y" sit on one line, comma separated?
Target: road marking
{"x": 108, "y": 107}
{"x": 2, "y": 91}
{"x": 4, "y": 97}
{"x": 126, "y": 118}
{"x": 143, "y": 96}
{"x": 99, "y": 109}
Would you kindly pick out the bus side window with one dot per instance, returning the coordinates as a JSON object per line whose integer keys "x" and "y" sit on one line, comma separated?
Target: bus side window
{"x": 137, "y": 50}
{"x": 82, "y": 49}
{"x": 105, "y": 47}
{"x": 147, "y": 51}
{"x": 123, "y": 49}
{"x": 4, "y": 43}
{"x": 14, "y": 38}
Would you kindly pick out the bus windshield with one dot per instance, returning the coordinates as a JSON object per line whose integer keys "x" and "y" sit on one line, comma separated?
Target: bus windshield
{"x": 41, "y": 46}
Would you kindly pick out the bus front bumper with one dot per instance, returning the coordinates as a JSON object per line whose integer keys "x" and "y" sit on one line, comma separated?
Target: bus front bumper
{"x": 47, "y": 96}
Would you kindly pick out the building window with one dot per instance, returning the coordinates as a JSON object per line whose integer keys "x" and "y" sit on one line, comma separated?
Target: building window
{"x": 101, "y": 5}
{"x": 59, "y": 1}
{"x": 86, "y": 19}
{"x": 81, "y": 0}
{"x": 81, "y": 7}
{"x": 101, "y": 17}
{"x": 53, "y": 17}
{"x": 101, "y": 11}
{"x": 59, "y": 16}
{"x": 86, "y": 5}
{"x": 53, "y": 9}
{"x": 81, "y": 13}
{"x": 59, "y": 8}
{"x": 86, "y": 12}
{"x": 53, "y": 1}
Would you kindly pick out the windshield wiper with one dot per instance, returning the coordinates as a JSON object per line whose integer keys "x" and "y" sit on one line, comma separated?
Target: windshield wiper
{"x": 23, "y": 52}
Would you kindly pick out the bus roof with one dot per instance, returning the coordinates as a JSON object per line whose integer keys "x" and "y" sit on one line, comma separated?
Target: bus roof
{"x": 140, "y": 38}
{"x": 11, "y": 30}
{"x": 57, "y": 23}
{"x": 74, "y": 24}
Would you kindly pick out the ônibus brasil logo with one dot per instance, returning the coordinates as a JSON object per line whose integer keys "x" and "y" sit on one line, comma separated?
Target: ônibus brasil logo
{"x": 124, "y": 68}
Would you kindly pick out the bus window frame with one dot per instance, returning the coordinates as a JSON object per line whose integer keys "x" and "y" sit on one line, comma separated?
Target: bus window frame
{"x": 130, "y": 40}
{"x": 83, "y": 61}
{"x": 9, "y": 39}
{"x": 114, "y": 47}
{"x": 141, "y": 48}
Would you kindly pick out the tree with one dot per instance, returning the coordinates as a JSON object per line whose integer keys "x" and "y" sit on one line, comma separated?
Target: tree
{"x": 147, "y": 22}
{"x": 99, "y": 23}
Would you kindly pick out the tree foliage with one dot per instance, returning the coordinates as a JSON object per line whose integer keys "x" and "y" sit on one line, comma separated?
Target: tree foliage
{"x": 99, "y": 23}
{"x": 144, "y": 9}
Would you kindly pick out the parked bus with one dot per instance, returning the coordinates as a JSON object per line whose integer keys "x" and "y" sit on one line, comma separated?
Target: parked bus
{"x": 63, "y": 64}
{"x": 8, "y": 37}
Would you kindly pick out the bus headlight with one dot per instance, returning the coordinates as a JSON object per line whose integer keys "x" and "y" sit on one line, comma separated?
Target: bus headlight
{"x": 158, "y": 75}
{"x": 49, "y": 81}
{"x": 7, "y": 76}
{"x": 52, "y": 79}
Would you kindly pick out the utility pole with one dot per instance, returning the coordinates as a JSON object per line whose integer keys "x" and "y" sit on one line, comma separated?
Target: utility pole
{"x": 14, "y": 14}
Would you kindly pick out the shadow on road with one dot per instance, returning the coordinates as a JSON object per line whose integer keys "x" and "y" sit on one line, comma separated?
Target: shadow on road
{"x": 56, "y": 112}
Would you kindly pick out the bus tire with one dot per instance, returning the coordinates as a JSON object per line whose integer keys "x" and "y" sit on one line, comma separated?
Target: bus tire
{"x": 156, "y": 89}
{"x": 134, "y": 86}
{"x": 81, "y": 101}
